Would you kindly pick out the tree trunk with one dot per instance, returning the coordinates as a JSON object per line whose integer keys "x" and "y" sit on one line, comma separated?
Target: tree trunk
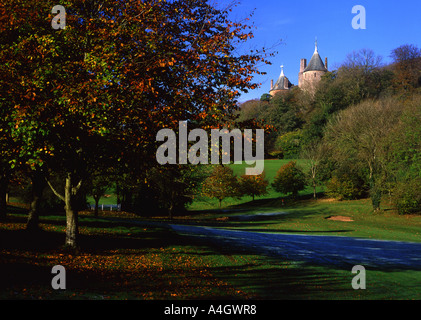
{"x": 314, "y": 190}
{"x": 172, "y": 205}
{"x": 117, "y": 190}
{"x": 38, "y": 185}
{"x": 375, "y": 195}
{"x": 70, "y": 206}
{"x": 96, "y": 206}
{"x": 72, "y": 228}
{"x": 171, "y": 211}
{"x": 4, "y": 181}
{"x": 126, "y": 200}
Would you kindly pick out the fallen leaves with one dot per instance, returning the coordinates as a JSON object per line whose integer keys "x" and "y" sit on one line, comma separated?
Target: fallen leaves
{"x": 117, "y": 273}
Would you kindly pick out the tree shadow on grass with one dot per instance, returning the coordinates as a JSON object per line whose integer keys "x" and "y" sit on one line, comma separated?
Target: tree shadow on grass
{"x": 254, "y": 219}
{"x": 266, "y": 279}
{"x": 276, "y": 278}
{"x": 282, "y": 283}
{"x": 27, "y": 258}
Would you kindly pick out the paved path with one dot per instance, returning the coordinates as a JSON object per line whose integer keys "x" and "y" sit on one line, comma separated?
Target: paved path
{"x": 324, "y": 250}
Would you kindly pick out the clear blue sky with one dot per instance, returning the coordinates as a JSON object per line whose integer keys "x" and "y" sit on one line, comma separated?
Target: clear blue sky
{"x": 389, "y": 24}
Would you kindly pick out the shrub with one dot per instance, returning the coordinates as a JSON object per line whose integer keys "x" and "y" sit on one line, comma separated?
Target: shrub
{"x": 277, "y": 154}
{"x": 343, "y": 188}
{"x": 407, "y": 196}
{"x": 289, "y": 144}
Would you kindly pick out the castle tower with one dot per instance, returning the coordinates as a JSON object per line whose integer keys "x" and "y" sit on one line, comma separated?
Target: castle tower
{"x": 311, "y": 74}
{"x": 281, "y": 86}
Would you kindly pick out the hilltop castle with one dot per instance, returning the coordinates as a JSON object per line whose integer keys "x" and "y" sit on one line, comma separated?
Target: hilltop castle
{"x": 308, "y": 77}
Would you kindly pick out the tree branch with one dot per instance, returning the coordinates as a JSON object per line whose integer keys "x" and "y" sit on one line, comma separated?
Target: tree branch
{"x": 76, "y": 189}
{"x": 54, "y": 191}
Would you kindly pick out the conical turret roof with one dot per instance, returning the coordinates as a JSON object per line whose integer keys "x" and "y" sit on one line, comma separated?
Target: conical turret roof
{"x": 316, "y": 63}
{"x": 280, "y": 84}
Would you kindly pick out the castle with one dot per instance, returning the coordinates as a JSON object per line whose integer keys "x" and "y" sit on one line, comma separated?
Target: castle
{"x": 308, "y": 77}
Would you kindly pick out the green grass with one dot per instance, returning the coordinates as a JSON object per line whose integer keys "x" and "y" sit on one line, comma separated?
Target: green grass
{"x": 123, "y": 261}
{"x": 310, "y": 217}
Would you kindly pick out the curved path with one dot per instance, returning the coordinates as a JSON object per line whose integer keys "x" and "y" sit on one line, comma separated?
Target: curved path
{"x": 325, "y": 250}
{"x": 322, "y": 250}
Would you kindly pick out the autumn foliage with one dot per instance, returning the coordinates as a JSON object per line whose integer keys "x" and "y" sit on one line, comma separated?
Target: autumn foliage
{"x": 253, "y": 185}
{"x": 221, "y": 184}
{"x": 118, "y": 73}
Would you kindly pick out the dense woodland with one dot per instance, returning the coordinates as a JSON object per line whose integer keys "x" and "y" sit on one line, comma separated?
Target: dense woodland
{"x": 361, "y": 129}
{"x": 80, "y": 109}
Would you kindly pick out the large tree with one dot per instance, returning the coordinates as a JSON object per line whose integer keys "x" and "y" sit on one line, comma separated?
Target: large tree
{"x": 118, "y": 73}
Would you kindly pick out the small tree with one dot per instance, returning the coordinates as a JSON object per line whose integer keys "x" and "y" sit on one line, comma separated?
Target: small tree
{"x": 313, "y": 154}
{"x": 289, "y": 179}
{"x": 344, "y": 187}
{"x": 407, "y": 196}
{"x": 253, "y": 185}
{"x": 98, "y": 186}
{"x": 221, "y": 184}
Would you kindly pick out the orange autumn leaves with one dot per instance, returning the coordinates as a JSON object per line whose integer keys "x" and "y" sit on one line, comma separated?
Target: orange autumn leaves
{"x": 151, "y": 62}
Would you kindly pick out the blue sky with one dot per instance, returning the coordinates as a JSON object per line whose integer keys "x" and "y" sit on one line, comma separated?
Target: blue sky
{"x": 389, "y": 24}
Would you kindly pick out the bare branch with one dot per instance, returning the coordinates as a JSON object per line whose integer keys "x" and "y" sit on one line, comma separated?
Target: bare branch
{"x": 54, "y": 190}
{"x": 76, "y": 189}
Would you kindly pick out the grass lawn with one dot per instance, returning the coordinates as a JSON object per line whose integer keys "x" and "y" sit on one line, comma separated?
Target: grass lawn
{"x": 123, "y": 261}
{"x": 119, "y": 260}
{"x": 311, "y": 217}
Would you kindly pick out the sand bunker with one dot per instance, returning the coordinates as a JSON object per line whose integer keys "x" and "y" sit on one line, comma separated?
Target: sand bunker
{"x": 339, "y": 218}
